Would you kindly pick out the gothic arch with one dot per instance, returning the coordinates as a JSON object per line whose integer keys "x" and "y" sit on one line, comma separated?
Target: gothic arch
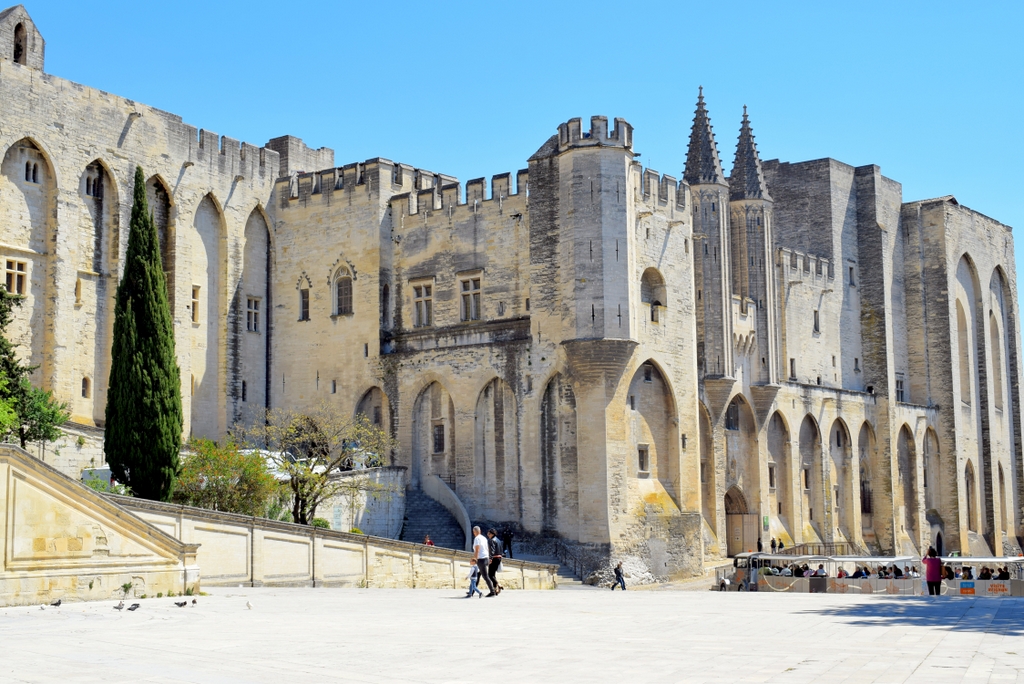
{"x": 932, "y": 481}
{"x": 906, "y": 463}
{"x": 811, "y": 476}
{"x": 28, "y": 185}
{"x": 375, "y": 407}
{"x": 161, "y": 205}
{"x": 559, "y": 485}
{"x": 841, "y": 478}
{"x": 653, "y": 292}
{"x": 742, "y": 460}
{"x": 652, "y": 423}
{"x": 250, "y": 313}
{"x": 867, "y": 456}
{"x": 209, "y": 316}
{"x": 496, "y": 451}
{"x": 780, "y": 458}
{"x": 98, "y": 231}
{"x": 433, "y": 434}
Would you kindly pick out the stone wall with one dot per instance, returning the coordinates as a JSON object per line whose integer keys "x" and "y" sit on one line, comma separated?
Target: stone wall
{"x": 236, "y": 549}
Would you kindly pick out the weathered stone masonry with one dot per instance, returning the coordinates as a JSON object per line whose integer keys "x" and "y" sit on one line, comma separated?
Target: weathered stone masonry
{"x": 638, "y": 364}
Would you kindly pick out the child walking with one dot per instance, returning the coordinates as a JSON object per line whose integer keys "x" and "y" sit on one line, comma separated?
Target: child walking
{"x": 474, "y": 575}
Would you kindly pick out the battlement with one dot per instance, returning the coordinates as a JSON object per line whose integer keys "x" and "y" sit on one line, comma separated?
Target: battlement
{"x": 572, "y": 135}
{"x": 799, "y": 266}
{"x": 449, "y": 198}
{"x": 231, "y": 156}
{"x": 664, "y": 190}
{"x": 297, "y": 157}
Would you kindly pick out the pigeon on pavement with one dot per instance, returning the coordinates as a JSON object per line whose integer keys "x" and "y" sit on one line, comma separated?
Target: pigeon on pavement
{"x": 248, "y": 605}
{"x": 56, "y": 604}
{"x": 195, "y": 602}
{"x": 134, "y": 606}
{"x": 119, "y": 606}
{"x": 181, "y": 604}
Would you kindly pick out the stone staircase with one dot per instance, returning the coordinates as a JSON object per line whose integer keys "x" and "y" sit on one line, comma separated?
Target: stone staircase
{"x": 565, "y": 577}
{"x": 425, "y": 516}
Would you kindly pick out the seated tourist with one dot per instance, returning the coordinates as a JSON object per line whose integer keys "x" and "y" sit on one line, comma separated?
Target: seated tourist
{"x": 820, "y": 572}
{"x": 948, "y": 573}
{"x": 1004, "y": 574}
{"x": 968, "y": 573}
{"x": 896, "y": 572}
{"x": 985, "y": 573}
{"x": 914, "y": 573}
{"x": 841, "y": 573}
{"x": 857, "y": 574}
{"x": 786, "y": 572}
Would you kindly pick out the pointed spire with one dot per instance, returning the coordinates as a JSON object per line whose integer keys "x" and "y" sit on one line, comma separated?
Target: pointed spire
{"x": 747, "y": 180}
{"x": 702, "y": 163}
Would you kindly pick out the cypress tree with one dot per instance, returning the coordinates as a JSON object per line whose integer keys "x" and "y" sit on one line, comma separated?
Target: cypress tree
{"x": 143, "y": 430}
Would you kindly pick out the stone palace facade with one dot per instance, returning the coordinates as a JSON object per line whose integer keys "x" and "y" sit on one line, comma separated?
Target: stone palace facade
{"x": 637, "y": 364}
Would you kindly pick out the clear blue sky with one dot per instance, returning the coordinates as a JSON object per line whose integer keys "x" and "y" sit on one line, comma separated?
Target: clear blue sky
{"x": 929, "y": 91}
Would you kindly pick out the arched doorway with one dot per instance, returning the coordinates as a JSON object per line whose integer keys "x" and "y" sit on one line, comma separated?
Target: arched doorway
{"x": 740, "y": 525}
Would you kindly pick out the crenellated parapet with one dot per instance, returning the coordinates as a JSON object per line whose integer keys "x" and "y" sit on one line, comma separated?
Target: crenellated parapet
{"x": 449, "y": 198}
{"x": 799, "y": 266}
{"x": 661, "y": 191}
{"x": 571, "y": 134}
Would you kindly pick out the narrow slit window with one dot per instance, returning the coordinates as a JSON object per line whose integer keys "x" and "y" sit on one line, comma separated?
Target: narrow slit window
{"x": 195, "y": 303}
{"x": 86, "y": 388}
{"x": 643, "y": 460}
{"x": 304, "y": 304}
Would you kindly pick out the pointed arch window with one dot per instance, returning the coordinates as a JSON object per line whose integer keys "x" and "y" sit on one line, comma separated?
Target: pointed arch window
{"x": 342, "y": 293}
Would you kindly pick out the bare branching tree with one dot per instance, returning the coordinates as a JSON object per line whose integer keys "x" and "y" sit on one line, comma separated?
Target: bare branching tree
{"x": 312, "y": 446}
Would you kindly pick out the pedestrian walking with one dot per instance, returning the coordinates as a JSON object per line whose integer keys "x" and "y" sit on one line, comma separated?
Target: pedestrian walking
{"x": 481, "y": 554}
{"x": 474, "y": 575}
{"x": 932, "y": 572}
{"x": 773, "y": 544}
{"x": 760, "y": 546}
{"x": 494, "y": 545}
{"x": 620, "y": 579}
{"x": 506, "y": 542}
{"x": 781, "y": 545}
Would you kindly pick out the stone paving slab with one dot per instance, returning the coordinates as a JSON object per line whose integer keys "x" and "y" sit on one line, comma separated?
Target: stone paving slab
{"x": 397, "y": 635}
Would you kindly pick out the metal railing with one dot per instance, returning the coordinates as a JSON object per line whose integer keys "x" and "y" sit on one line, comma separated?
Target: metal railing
{"x": 565, "y": 555}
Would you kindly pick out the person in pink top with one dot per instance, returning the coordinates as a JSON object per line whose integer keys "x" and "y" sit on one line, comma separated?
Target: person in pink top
{"x": 932, "y": 571}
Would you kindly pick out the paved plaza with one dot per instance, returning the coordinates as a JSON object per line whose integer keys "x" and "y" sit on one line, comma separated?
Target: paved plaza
{"x": 586, "y": 635}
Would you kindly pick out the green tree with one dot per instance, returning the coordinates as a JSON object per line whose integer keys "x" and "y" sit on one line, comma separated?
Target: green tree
{"x": 224, "y": 478}
{"x": 28, "y": 413}
{"x": 312, "y": 447}
{"x": 143, "y": 420}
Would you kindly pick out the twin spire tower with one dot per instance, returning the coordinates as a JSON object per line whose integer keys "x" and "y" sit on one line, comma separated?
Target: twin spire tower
{"x": 732, "y": 233}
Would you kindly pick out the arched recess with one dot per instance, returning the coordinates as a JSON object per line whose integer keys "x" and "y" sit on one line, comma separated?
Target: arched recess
{"x": 208, "y": 320}
{"x": 250, "y": 309}
{"x": 158, "y": 197}
{"x": 495, "y": 452}
{"x": 971, "y": 497}
{"x": 433, "y": 435}
{"x": 740, "y": 524}
{"x": 374, "y": 405}
{"x": 28, "y": 188}
{"x": 653, "y": 293}
{"x": 906, "y": 455}
{"x": 932, "y": 485}
{"x": 1005, "y": 355}
{"x": 812, "y": 497}
{"x": 867, "y": 456}
{"x": 707, "y": 469}
{"x": 965, "y": 361}
{"x": 95, "y": 285}
{"x": 841, "y": 482}
{"x": 742, "y": 458}
{"x": 780, "y": 471}
{"x": 652, "y": 424}
{"x": 559, "y": 488}
{"x": 997, "y": 374}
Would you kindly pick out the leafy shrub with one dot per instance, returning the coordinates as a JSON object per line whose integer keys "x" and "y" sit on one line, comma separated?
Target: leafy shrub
{"x": 223, "y": 478}
{"x": 356, "y": 530}
{"x": 321, "y": 523}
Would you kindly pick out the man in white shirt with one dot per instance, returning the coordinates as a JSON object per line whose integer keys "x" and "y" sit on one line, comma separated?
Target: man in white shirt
{"x": 482, "y": 554}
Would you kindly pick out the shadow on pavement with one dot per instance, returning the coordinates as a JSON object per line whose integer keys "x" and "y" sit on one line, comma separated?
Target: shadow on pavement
{"x": 989, "y": 615}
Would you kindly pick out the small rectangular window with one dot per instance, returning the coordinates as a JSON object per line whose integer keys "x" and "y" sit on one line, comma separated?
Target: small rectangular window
{"x": 304, "y": 304}
{"x": 17, "y": 271}
{"x": 792, "y": 369}
{"x": 439, "y": 439}
{"x": 245, "y": 391}
{"x": 703, "y": 472}
{"x": 334, "y": 386}
{"x": 423, "y": 305}
{"x": 899, "y": 388}
{"x": 852, "y": 283}
{"x": 195, "y": 303}
{"x": 632, "y": 402}
{"x": 806, "y": 476}
{"x": 771, "y": 477}
{"x": 643, "y": 464}
{"x": 252, "y": 314}
{"x": 470, "y": 289}
{"x": 856, "y": 364}
{"x": 527, "y": 303}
